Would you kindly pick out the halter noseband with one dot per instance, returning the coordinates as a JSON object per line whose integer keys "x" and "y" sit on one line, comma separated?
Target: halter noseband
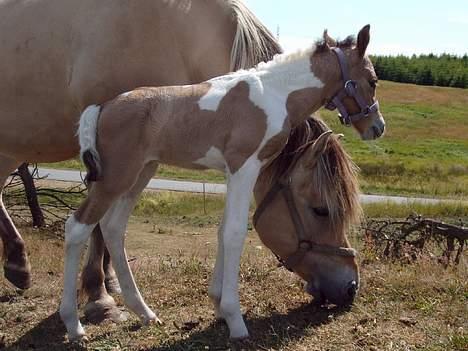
{"x": 349, "y": 90}
{"x": 284, "y": 186}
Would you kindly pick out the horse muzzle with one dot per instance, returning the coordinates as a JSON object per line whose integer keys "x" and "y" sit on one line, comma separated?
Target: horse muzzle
{"x": 328, "y": 292}
{"x": 376, "y": 130}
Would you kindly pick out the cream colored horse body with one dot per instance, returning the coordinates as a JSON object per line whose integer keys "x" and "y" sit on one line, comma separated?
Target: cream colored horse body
{"x": 57, "y": 57}
{"x": 236, "y": 123}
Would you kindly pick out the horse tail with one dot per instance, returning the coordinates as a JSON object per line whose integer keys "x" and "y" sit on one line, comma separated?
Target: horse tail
{"x": 253, "y": 42}
{"x": 87, "y": 135}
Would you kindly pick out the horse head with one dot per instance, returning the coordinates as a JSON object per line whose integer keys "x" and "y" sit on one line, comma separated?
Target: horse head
{"x": 351, "y": 82}
{"x": 308, "y": 197}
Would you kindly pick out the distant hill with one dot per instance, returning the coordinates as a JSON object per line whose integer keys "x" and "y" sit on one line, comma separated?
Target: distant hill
{"x": 444, "y": 70}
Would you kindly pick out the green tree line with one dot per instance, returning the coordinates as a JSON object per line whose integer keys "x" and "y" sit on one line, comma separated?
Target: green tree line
{"x": 442, "y": 70}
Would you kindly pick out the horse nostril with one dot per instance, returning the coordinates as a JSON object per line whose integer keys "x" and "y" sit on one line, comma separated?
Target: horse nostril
{"x": 352, "y": 289}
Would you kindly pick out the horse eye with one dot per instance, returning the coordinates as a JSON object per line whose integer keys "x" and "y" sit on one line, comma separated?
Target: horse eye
{"x": 373, "y": 83}
{"x": 320, "y": 211}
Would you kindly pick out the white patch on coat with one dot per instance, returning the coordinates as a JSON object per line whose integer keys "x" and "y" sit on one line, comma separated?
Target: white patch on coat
{"x": 270, "y": 85}
{"x": 126, "y": 93}
{"x": 214, "y": 159}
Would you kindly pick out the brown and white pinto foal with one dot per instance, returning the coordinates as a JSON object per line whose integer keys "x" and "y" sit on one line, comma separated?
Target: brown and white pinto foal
{"x": 236, "y": 123}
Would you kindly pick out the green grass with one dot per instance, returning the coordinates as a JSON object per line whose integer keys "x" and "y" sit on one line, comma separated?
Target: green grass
{"x": 193, "y": 206}
{"x": 424, "y": 151}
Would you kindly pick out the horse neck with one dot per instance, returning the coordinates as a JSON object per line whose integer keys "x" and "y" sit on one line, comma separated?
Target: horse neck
{"x": 292, "y": 79}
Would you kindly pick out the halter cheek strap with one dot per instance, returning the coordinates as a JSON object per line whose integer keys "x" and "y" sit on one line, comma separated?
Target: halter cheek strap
{"x": 305, "y": 245}
{"x": 349, "y": 90}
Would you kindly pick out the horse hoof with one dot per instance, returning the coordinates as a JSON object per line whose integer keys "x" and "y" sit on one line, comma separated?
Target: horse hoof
{"x": 152, "y": 320}
{"x": 112, "y": 286}
{"x": 104, "y": 309}
{"x": 242, "y": 337}
{"x": 18, "y": 276}
{"x": 238, "y": 333}
{"x": 78, "y": 340}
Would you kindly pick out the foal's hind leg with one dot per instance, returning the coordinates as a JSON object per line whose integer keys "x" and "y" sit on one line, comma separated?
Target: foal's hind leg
{"x": 110, "y": 277}
{"x": 16, "y": 266}
{"x": 101, "y": 305}
{"x": 113, "y": 226}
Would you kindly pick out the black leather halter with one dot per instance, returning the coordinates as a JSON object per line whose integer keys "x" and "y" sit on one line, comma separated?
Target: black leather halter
{"x": 349, "y": 90}
{"x": 283, "y": 186}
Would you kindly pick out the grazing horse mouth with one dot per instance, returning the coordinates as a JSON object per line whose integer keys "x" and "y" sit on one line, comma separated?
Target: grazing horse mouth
{"x": 320, "y": 297}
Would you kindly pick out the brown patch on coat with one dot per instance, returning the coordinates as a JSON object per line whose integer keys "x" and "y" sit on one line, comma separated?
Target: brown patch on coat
{"x": 166, "y": 124}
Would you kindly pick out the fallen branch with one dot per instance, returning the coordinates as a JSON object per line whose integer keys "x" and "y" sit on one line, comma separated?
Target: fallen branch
{"x": 411, "y": 237}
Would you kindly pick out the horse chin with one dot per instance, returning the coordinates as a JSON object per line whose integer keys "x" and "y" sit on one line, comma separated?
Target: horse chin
{"x": 375, "y": 131}
{"x": 312, "y": 289}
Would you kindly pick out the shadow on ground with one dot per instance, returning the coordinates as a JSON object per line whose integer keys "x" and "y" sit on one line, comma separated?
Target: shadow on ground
{"x": 274, "y": 331}
{"x": 50, "y": 329}
{"x": 270, "y": 332}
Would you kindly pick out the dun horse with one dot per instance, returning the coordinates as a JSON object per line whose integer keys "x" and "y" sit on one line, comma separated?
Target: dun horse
{"x": 88, "y": 51}
{"x": 239, "y": 124}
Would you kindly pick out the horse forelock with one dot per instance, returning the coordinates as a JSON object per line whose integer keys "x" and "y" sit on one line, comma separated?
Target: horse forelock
{"x": 321, "y": 45}
{"x": 334, "y": 175}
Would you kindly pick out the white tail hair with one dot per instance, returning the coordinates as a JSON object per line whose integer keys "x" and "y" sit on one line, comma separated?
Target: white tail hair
{"x": 87, "y": 135}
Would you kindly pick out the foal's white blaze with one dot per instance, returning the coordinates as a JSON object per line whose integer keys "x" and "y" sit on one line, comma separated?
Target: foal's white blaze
{"x": 213, "y": 159}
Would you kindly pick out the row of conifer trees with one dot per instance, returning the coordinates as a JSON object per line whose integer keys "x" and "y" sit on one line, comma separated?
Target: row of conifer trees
{"x": 442, "y": 70}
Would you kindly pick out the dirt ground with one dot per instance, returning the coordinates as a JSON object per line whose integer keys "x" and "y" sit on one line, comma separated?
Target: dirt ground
{"x": 421, "y": 306}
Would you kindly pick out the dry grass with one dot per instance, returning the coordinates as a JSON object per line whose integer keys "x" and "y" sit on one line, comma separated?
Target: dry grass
{"x": 400, "y": 307}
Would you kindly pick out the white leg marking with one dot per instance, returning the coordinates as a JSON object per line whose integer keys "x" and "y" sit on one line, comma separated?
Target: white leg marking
{"x": 76, "y": 235}
{"x": 114, "y": 224}
{"x": 240, "y": 187}
{"x": 216, "y": 286}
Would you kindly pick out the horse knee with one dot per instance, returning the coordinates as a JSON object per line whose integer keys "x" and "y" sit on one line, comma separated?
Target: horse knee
{"x": 76, "y": 233}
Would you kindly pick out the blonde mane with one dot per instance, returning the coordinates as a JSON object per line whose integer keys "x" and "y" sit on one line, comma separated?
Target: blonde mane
{"x": 334, "y": 176}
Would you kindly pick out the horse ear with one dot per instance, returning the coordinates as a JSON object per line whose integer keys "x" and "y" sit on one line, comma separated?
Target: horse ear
{"x": 328, "y": 39}
{"x": 363, "y": 40}
{"x": 317, "y": 148}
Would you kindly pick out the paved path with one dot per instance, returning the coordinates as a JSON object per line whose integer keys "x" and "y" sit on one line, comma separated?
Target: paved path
{"x": 197, "y": 187}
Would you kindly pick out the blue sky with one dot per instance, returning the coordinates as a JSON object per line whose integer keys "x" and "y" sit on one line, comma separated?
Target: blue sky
{"x": 397, "y": 26}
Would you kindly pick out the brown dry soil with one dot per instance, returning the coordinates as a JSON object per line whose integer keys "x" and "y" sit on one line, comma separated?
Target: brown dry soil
{"x": 421, "y": 306}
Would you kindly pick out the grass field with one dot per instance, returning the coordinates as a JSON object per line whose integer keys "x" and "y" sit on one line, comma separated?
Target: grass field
{"x": 424, "y": 151}
{"x": 172, "y": 239}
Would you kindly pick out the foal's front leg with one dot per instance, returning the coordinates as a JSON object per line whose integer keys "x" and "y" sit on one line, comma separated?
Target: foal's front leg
{"x": 236, "y": 213}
